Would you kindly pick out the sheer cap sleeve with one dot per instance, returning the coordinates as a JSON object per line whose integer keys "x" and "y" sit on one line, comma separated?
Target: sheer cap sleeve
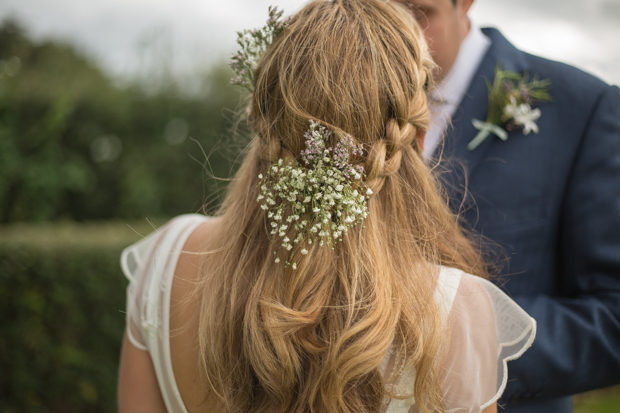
{"x": 149, "y": 265}
{"x": 487, "y": 329}
{"x": 134, "y": 261}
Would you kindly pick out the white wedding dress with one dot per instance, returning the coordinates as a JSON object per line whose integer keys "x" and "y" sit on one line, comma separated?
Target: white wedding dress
{"x": 487, "y": 327}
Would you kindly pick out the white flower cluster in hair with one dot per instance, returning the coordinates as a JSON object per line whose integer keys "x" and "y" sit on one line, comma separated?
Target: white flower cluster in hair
{"x": 315, "y": 202}
{"x": 253, "y": 44}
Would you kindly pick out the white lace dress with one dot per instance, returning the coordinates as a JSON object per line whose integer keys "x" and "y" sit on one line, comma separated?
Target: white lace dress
{"x": 487, "y": 327}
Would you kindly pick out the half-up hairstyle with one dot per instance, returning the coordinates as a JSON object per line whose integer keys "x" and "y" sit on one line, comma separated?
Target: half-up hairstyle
{"x": 313, "y": 339}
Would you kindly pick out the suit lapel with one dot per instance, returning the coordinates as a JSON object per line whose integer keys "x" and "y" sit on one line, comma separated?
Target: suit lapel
{"x": 475, "y": 105}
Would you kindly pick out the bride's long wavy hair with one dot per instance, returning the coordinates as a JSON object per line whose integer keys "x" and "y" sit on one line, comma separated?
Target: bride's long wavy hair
{"x": 275, "y": 339}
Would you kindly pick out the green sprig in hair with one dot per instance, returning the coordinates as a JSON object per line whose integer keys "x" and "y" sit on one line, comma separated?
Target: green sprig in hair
{"x": 253, "y": 44}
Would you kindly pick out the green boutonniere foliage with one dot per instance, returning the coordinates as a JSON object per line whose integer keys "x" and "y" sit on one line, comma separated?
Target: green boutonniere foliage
{"x": 511, "y": 98}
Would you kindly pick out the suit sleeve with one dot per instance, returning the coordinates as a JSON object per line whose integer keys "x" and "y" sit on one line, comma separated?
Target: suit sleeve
{"x": 577, "y": 347}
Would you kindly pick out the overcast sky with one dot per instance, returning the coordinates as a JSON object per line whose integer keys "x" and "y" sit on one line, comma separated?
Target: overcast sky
{"x": 124, "y": 34}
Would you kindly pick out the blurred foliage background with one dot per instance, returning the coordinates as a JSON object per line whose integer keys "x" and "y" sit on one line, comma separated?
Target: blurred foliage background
{"x": 75, "y": 144}
{"x": 61, "y": 312}
{"x": 88, "y": 165}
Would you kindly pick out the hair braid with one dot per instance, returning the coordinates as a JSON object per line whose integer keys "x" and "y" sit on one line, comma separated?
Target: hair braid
{"x": 385, "y": 155}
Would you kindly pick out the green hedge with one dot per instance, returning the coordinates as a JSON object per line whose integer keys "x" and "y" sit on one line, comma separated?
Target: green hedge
{"x": 598, "y": 401}
{"x": 62, "y": 301}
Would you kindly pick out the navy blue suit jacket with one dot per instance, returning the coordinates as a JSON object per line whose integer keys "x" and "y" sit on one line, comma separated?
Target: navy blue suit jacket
{"x": 552, "y": 202}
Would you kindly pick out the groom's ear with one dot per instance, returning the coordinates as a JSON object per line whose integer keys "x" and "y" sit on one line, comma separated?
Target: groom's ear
{"x": 421, "y": 135}
{"x": 463, "y": 6}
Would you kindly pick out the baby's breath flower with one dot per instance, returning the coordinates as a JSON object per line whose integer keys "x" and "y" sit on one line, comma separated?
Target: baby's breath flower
{"x": 315, "y": 196}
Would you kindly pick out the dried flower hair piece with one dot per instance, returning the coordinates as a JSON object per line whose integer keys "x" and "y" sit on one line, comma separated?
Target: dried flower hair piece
{"x": 318, "y": 199}
{"x": 253, "y": 44}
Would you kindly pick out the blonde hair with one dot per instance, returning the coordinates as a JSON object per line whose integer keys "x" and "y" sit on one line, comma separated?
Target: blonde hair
{"x": 275, "y": 339}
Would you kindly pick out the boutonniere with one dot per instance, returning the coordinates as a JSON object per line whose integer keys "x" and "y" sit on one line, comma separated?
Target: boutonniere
{"x": 511, "y": 100}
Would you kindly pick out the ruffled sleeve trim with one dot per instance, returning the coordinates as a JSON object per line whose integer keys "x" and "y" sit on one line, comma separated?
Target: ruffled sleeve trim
{"x": 516, "y": 331}
{"x": 486, "y": 330}
{"x": 146, "y": 264}
{"x": 133, "y": 260}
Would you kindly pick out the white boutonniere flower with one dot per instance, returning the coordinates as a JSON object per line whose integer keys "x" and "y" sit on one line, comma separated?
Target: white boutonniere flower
{"x": 511, "y": 100}
{"x": 522, "y": 115}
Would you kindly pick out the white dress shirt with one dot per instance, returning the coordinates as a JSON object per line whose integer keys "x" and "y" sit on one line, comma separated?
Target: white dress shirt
{"x": 450, "y": 92}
